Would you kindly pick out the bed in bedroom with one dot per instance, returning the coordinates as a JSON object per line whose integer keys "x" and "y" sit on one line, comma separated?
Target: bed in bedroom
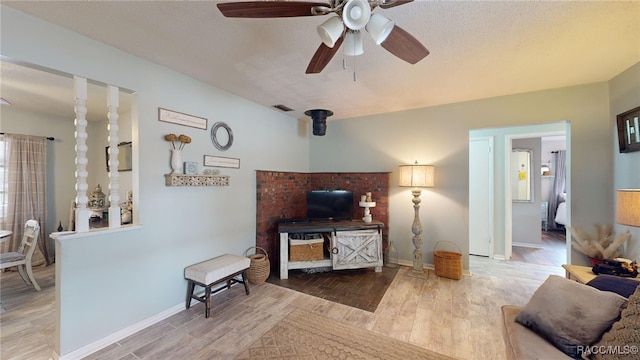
{"x": 561, "y": 211}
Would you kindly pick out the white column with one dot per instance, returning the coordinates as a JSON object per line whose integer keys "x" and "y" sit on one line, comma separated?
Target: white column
{"x": 112, "y": 127}
{"x": 82, "y": 213}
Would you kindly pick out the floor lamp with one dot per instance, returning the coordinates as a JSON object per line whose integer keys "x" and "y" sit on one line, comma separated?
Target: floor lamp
{"x": 417, "y": 176}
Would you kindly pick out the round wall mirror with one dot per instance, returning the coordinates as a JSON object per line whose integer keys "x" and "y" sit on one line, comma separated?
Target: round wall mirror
{"x": 221, "y": 136}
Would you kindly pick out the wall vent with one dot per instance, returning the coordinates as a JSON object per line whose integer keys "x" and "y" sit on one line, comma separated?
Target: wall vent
{"x": 282, "y": 107}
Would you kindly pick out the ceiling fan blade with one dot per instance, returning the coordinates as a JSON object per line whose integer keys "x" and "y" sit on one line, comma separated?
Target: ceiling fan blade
{"x": 323, "y": 55}
{"x": 268, "y": 9}
{"x": 403, "y": 45}
{"x": 394, "y": 3}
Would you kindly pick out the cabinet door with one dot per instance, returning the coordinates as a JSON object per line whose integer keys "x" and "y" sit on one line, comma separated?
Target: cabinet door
{"x": 356, "y": 249}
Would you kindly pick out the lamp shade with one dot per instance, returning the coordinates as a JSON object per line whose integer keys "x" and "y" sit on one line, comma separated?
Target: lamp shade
{"x": 353, "y": 43}
{"x": 331, "y": 30}
{"x": 628, "y": 207}
{"x": 356, "y": 14}
{"x": 417, "y": 175}
{"x": 379, "y": 28}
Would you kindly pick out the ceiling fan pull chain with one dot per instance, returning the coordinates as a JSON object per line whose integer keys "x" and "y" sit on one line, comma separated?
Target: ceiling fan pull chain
{"x": 354, "y": 69}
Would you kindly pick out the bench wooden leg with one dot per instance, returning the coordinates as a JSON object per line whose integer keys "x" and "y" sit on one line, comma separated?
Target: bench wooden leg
{"x": 244, "y": 282}
{"x": 206, "y": 299}
{"x": 190, "y": 288}
{"x": 207, "y": 294}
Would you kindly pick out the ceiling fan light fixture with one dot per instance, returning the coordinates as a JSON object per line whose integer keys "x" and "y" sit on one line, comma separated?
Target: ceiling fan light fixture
{"x": 353, "y": 43}
{"x": 331, "y": 30}
{"x": 379, "y": 28}
{"x": 356, "y": 14}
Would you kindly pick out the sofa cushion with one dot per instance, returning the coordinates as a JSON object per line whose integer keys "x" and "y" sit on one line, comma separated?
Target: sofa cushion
{"x": 521, "y": 342}
{"x": 569, "y": 314}
{"x": 616, "y": 284}
{"x": 624, "y": 336}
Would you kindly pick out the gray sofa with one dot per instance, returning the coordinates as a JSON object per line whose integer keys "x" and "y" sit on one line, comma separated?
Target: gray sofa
{"x": 562, "y": 314}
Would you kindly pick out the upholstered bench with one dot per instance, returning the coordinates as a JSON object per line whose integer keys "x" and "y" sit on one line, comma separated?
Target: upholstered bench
{"x": 215, "y": 271}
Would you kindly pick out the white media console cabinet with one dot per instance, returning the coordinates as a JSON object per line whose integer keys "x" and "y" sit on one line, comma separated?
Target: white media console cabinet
{"x": 353, "y": 244}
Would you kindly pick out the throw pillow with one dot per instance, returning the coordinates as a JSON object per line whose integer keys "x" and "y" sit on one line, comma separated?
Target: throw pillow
{"x": 570, "y": 315}
{"x": 623, "y": 340}
{"x": 619, "y": 285}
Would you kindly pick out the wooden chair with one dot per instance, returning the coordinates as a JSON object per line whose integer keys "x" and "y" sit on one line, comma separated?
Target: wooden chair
{"x": 22, "y": 257}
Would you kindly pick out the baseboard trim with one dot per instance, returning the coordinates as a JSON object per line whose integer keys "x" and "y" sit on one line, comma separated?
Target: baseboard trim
{"x": 527, "y": 245}
{"x": 431, "y": 267}
{"x": 128, "y": 331}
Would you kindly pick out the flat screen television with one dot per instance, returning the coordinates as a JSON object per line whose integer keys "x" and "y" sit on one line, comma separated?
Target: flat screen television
{"x": 329, "y": 205}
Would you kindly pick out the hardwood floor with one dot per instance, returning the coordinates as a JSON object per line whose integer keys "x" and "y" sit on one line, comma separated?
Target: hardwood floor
{"x": 457, "y": 318}
{"x": 552, "y": 253}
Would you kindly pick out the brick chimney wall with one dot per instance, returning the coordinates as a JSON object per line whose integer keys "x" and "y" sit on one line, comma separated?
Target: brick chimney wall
{"x": 282, "y": 195}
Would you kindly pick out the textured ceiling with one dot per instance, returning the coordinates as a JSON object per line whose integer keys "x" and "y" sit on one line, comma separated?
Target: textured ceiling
{"x": 479, "y": 49}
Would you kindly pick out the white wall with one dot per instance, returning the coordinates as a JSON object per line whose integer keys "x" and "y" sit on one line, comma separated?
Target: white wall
{"x": 111, "y": 280}
{"x": 624, "y": 95}
{"x": 439, "y": 135}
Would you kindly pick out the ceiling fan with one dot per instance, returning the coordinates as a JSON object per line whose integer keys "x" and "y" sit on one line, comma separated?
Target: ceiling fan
{"x": 350, "y": 18}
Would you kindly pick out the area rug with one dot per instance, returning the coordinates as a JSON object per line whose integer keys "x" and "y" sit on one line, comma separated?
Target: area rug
{"x": 303, "y": 335}
{"x": 359, "y": 288}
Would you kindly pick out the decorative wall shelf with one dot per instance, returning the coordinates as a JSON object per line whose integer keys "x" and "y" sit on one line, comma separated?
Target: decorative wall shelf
{"x": 196, "y": 180}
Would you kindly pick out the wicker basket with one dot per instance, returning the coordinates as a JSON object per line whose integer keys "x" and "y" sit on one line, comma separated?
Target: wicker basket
{"x": 260, "y": 267}
{"x": 306, "y": 250}
{"x": 448, "y": 264}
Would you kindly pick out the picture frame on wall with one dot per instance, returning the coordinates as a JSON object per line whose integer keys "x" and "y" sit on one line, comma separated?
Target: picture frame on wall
{"x": 221, "y": 161}
{"x": 629, "y": 130}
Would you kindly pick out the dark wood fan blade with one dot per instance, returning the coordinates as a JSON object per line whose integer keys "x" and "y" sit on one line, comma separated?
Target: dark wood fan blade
{"x": 395, "y": 3}
{"x": 403, "y": 45}
{"x": 323, "y": 55}
{"x": 268, "y": 9}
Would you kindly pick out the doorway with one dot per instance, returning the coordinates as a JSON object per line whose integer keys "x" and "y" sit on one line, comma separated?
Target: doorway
{"x": 499, "y": 205}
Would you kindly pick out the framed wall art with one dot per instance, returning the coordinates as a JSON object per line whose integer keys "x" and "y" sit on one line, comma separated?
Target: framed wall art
{"x": 179, "y": 118}
{"x": 629, "y": 130}
{"x": 221, "y": 161}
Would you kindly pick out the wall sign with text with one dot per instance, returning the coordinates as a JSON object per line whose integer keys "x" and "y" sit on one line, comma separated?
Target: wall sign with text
{"x": 221, "y": 161}
{"x": 179, "y": 118}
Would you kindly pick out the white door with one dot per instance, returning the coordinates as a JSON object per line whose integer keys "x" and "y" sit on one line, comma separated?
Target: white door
{"x": 480, "y": 196}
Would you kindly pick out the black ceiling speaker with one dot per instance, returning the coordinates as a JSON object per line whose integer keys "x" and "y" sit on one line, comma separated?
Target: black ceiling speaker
{"x": 319, "y": 117}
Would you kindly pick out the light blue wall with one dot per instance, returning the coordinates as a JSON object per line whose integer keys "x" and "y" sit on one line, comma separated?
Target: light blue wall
{"x": 113, "y": 280}
{"x": 624, "y": 95}
{"x": 439, "y": 135}
{"x": 110, "y": 281}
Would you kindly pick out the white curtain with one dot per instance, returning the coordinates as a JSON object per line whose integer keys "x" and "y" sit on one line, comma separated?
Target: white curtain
{"x": 23, "y": 165}
{"x": 559, "y": 186}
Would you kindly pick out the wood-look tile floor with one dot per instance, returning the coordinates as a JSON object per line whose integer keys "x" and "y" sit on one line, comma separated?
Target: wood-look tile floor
{"x": 457, "y": 318}
{"x": 553, "y": 251}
